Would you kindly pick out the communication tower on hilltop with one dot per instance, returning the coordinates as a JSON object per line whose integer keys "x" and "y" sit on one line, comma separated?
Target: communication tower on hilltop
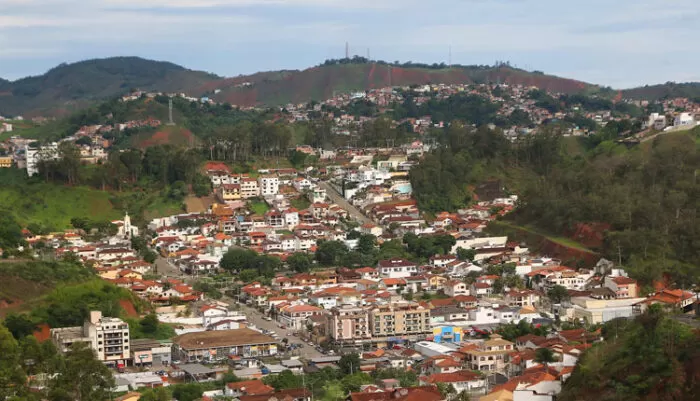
{"x": 347, "y": 50}
{"x": 170, "y": 112}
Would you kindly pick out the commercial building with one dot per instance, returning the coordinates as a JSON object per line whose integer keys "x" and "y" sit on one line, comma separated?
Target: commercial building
{"x": 108, "y": 336}
{"x": 220, "y": 344}
{"x": 151, "y": 352}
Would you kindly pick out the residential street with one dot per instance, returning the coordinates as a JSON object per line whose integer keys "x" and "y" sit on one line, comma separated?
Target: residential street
{"x": 256, "y": 318}
{"x": 342, "y": 202}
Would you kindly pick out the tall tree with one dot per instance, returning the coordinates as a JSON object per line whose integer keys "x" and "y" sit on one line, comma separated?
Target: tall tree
{"x": 82, "y": 378}
{"x": 12, "y": 377}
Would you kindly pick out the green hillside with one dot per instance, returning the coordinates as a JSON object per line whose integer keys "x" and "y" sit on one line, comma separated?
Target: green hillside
{"x": 51, "y": 207}
{"x": 651, "y": 358}
{"x": 668, "y": 90}
{"x": 641, "y": 198}
{"x": 69, "y": 87}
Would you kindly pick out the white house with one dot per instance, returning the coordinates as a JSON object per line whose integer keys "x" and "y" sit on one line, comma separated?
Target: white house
{"x": 269, "y": 185}
{"x": 683, "y": 119}
{"x": 453, "y": 288}
{"x": 397, "y": 268}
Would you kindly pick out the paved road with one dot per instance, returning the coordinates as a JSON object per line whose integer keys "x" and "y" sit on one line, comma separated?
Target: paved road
{"x": 342, "y": 202}
{"x": 167, "y": 269}
{"x": 255, "y": 317}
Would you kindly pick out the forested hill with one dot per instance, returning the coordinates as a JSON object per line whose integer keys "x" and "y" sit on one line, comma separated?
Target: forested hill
{"x": 69, "y": 87}
{"x": 652, "y": 358}
{"x": 646, "y": 195}
{"x": 668, "y": 90}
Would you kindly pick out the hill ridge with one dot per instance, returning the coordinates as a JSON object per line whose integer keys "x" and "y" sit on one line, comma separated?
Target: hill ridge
{"x": 72, "y": 86}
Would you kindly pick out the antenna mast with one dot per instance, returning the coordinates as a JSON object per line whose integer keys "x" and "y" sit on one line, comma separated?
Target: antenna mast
{"x": 170, "y": 112}
{"x": 347, "y": 50}
{"x": 449, "y": 62}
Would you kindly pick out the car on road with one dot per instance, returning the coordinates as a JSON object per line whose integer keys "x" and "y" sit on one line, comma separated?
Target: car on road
{"x": 268, "y": 318}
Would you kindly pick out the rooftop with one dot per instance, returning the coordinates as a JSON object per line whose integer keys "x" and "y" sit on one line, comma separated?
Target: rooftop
{"x": 222, "y": 338}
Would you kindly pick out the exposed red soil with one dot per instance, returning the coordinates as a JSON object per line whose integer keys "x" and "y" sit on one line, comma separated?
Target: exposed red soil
{"x": 166, "y": 137}
{"x": 591, "y": 235}
{"x": 128, "y": 308}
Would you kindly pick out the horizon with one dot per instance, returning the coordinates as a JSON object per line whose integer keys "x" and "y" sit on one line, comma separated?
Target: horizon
{"x": 320, "y": 64}
{"x": 619, "y": 45}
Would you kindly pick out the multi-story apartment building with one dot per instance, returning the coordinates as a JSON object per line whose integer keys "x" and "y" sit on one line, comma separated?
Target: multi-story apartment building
{"x": 229, "y": 192}
{"x": 349, "y": 324}
{"x": 399, "y": 319}
{"x": 491, "y": 356}
{"x": 249, "y": 188}
{"x": 296, "y": 316}
{"x": 522, "y": 298}
{"x": 269, "y": 185}
{"x": 35, "y": 155}
{"x": 108, "y": 336}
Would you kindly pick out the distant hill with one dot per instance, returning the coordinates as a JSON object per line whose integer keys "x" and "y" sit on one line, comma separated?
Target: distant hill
{"x": 668, "y": 90}
{"x": 318, "y": 83}
{"x": 68, "y": 87}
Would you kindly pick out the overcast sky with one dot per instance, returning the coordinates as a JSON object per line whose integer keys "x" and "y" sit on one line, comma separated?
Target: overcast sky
{"x": 620, "y": 43}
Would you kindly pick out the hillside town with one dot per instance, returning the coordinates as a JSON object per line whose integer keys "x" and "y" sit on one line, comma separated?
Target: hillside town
{"x": 289, "y": 272}
{"x": 474, "y": 317}
{"x": 96, "y": 141}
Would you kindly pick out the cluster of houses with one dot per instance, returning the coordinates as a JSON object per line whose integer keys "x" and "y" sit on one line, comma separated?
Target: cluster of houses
{"x": 93, "y": 147}
{"x": 512, "y": 98}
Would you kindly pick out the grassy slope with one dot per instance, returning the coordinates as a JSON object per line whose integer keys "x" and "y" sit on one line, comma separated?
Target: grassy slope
{"x": 54, "y": 206}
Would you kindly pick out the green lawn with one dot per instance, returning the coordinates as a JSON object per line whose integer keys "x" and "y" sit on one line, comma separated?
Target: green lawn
{"x": 300, "y": 203}
{"x": 258, "y": 207}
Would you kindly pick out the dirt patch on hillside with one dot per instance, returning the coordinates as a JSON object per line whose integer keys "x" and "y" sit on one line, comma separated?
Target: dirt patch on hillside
{"x": 590, "y": 235}
{"x": 167, "y": 136}
{"x": 16, "y": 293}
{"x": 128, "y": 308}
{"x": 568, "y": 251}
{"x": 199, "y": 205}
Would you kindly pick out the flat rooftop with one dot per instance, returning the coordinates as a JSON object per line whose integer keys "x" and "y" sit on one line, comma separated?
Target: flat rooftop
{"x": 222, "y": 338}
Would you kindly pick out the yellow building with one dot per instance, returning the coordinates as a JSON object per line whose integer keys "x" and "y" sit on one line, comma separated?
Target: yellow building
{"x": 398, "y": 319}
{"x": 5, "y": 162}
